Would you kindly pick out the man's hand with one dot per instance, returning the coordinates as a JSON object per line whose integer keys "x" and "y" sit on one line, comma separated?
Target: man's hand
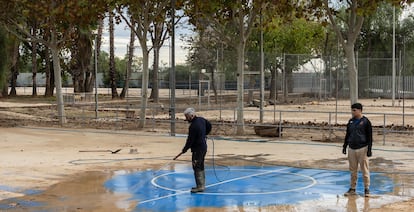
{"x": 344, "y": 150}
{"x": 369, "y": 153}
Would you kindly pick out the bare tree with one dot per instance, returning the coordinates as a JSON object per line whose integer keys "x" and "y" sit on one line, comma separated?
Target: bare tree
{"x": 57, "y": 24}
{"x": 233, "y": 22}
{"x": 159, "y": 33}
{"x": 144, "y": 13}
{"x": 347, "y": 27}
{"x": 348, "y": 39}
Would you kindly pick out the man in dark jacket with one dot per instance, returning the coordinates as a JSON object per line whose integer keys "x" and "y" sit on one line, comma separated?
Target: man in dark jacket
{"x": 197, "y": 141}
{"x": 358, "y": 139}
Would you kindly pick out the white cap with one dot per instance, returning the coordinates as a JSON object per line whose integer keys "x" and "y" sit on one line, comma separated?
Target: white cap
{"x": 189, "y": 111}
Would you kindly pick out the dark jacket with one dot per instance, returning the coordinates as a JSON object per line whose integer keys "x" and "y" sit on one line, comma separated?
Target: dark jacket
{"x": 358, "y": 133}
{"x": 197, "y": 132}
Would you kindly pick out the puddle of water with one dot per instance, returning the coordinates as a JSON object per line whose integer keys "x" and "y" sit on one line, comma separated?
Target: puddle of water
{"x": 13, "y": 193}
{"x": 17, "y": 203}
{"x": 84, "y": 192}
{"x": 19, "y": 190}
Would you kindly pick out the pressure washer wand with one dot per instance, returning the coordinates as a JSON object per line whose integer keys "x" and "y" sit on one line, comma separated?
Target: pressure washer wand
{"x": 175, "y": 158}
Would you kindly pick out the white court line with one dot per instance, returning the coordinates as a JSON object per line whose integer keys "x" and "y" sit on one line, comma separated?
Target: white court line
{"x": 219, "y": 183}
{"x": 248, "y": 176}
{"x": 313, "y": 180}
{"x": 269, "y": 192}
{"x": 178, "y": 192}
{"x": 163, "y": 197}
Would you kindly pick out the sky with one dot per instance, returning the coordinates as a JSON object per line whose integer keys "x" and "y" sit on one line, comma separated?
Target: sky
{"x": 408, "y": 11}
{"x": 122, "y": 34}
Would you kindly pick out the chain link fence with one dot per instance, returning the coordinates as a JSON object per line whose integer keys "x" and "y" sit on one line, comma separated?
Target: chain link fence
{"x": 288, "y": 79}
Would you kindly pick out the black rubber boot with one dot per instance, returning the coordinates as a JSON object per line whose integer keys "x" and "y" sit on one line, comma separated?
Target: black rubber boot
{"x": 200, "y": 181}
{"x": 196, "y": 181}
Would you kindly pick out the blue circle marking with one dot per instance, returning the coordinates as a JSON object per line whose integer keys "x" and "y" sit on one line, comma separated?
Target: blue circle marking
{"x": 169, "y": 190}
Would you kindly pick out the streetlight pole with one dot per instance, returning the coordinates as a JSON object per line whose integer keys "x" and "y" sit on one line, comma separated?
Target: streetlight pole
{"x": 262, "y": 81}
{"x": 393, "y": 57}
{"x": 96, "y": 76}
{"x": 172, "y": 73}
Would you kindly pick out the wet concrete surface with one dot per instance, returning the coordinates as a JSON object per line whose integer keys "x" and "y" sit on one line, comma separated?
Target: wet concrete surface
{"x": 83, "y": 192}
{"x": 251, "y": 188}
{"x": 228, "y": 188}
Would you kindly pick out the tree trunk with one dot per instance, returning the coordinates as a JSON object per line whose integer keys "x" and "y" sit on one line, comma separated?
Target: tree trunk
{"x": 348, "y": 43}
{"x": 50, "y": 77}
{"x": 58, "y": 78}
{"x": 129, "y": 64}
{"x": 86, "y": 61}
{"x": 97, "y": 51}
{"x": 4, "y": 61}
{"x": 273, "y": 86}
{"x": 352, "y": 73}
{"x": 288, "y": 85}
{"x": 155, "y": 88}
{"x": 213, "y": 86}
{"x": 251, "y": 87}
{"x": 77, "y": 81}
{"x": 82, "y": 59}
{"x": 89, "y": 64}
{"x": 112, "y": 69}
{"x": 240, "y": 88}
{"x": 144, "y": 85}
{"x": 13, "y": 83}
{"x": 34, "y": 65}
{"x": 158, "y": 36}
{"x": 14, "y": 67}
{"x": 4, "y": 90}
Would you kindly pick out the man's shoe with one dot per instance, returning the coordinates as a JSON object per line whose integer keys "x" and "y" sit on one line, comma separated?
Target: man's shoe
{"x": 350, "y": 192}
{"x": 367, "y": 192}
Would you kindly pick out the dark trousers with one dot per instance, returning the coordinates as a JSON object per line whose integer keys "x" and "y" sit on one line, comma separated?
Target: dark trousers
{"x": 198, "y": 160}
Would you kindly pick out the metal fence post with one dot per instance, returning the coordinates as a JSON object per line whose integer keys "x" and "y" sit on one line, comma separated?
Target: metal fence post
{"x": 384, "y": 131}
{"x": 117, "y": 117}
{"x": 329, "y": 125}
{"x": 280, "y": 124}
{"x": 153, "y": 118}
{"x": 234, "y": 120}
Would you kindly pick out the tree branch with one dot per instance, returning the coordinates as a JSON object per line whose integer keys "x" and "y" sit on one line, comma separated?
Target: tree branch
{"x": 334, "y": 24}
{"x": 28, "y": 36}
{"x": 131, "y": 24}
{"x": 352, "y": 16}
{"x": 252, "y": 18}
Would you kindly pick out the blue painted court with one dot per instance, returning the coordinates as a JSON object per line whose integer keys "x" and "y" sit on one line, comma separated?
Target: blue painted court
{"x": 253, "y": 186}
